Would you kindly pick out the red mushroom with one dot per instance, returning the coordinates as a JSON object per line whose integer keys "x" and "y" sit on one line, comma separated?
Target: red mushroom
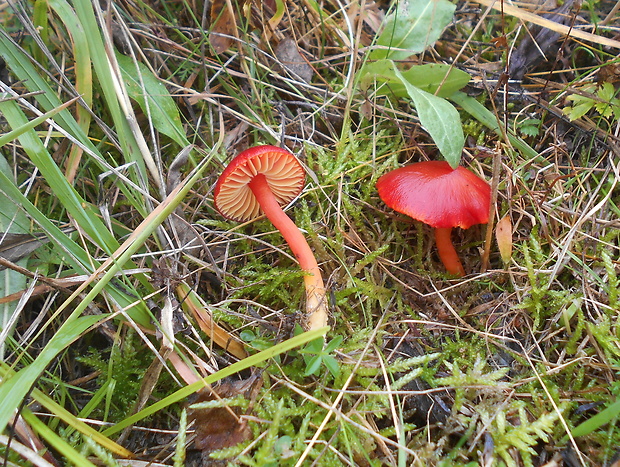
{"x": 262, "y": 179}
{"x": 440, "y": 196}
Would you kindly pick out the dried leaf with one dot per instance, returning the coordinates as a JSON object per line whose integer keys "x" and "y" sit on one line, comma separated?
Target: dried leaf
{"x": 223, "y": 26}
{"x": 222, "y": 427}
{"x": 292, "y": 61}
{"x": 503, "y": 235}
{"x": 609, "y": 73}
{"x": 14, "y": 246}
{"x": 198, "y": 308}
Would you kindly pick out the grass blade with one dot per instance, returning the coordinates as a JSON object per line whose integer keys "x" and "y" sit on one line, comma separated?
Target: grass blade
{"x": 248, "y": 362}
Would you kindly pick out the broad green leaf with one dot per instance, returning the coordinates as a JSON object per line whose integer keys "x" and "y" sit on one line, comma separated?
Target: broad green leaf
{"x": 439, "y": 79}
{"x": 412, "y": 27}
{"x": 440, "y": 119}
{"x": 486, "y": 117}
{"x": 332, "y": 365}
{"x": 607, "y": 92}
{"x": 152, "y": 97}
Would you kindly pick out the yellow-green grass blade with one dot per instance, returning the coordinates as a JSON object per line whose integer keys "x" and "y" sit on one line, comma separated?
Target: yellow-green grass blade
{"x": 66, "y": 194}
{"x": 248, "y": 362}
{"x": 22, "y": 67}
{"x": 18, "y": 385}
{"x": 83, "y": 73}
{"x": 11, "y": 135}
{"x": 72, "y": 253}
{"x": 60, "y": 413}
{"x": 106, "y": 78}
{"x": 12, "y": 220}
{"x": 55, "y": 441}
{"x": 72, "y": 421}
{"x": 14, "y": 388}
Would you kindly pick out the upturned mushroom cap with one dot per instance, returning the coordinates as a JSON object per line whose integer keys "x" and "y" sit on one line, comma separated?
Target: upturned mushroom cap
{"x": 234, "y": 199}
{"x": 436, "y": 194}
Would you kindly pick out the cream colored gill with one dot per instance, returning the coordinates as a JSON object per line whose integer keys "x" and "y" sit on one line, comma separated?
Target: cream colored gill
{"x": 285, "y": 179}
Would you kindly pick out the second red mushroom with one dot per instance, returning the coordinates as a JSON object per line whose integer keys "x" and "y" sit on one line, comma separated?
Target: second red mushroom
{"x": 440, "y": 196}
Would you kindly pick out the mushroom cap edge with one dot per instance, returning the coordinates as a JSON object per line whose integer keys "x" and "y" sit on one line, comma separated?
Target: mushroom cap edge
{"x": 232, "y": 196}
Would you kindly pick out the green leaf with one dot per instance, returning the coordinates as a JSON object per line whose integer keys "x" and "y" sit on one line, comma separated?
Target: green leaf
{"x": 488, "y": 119}
{"x": 153, "y": 98}
{"x": 332, "y": 365}
{"x": 607, "y": 91}
{"x": 314, "y": 347}
{"x": 441, "y": 80}
{"x": 412, "y": 27}
{"x": 313, "y": 365}
{"x": 440, "y": 119}
{"x": 333, "y": 344}
{"x": 579, "y": 110}
{"x": 598, "y": 420}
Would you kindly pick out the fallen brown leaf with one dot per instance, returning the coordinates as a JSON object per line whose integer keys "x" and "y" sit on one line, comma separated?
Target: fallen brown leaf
{"x": 223, "y": 26}
{"x": 292, "y": 61}
{"x": 222, "y": 427}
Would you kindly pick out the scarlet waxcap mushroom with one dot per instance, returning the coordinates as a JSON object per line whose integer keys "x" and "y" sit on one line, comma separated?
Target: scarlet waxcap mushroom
{"x": 261, "y": 179}
{"x": 285, "y": 176}
{"x": 440, "y": 196}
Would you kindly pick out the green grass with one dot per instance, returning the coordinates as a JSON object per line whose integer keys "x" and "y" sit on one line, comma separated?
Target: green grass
{"x": 114, "y": 155}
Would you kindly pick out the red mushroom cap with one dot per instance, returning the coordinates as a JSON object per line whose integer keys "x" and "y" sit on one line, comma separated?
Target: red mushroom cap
{"x": 234, "y": 199}
{"x": 436, "y": 194}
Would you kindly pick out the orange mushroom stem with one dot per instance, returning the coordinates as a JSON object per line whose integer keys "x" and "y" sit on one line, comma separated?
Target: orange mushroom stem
{"x": 262, "y": 179}
{"x": 315, "y": 290}
{"x": 447, "y": 254}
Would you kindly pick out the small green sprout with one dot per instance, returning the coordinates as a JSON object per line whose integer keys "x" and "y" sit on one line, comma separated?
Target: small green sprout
{"x": 317, "y": 354}
{"x": 603, "y": 100}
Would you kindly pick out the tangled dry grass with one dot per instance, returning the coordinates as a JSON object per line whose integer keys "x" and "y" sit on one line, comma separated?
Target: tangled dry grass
{"x": 514, "y": 364}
